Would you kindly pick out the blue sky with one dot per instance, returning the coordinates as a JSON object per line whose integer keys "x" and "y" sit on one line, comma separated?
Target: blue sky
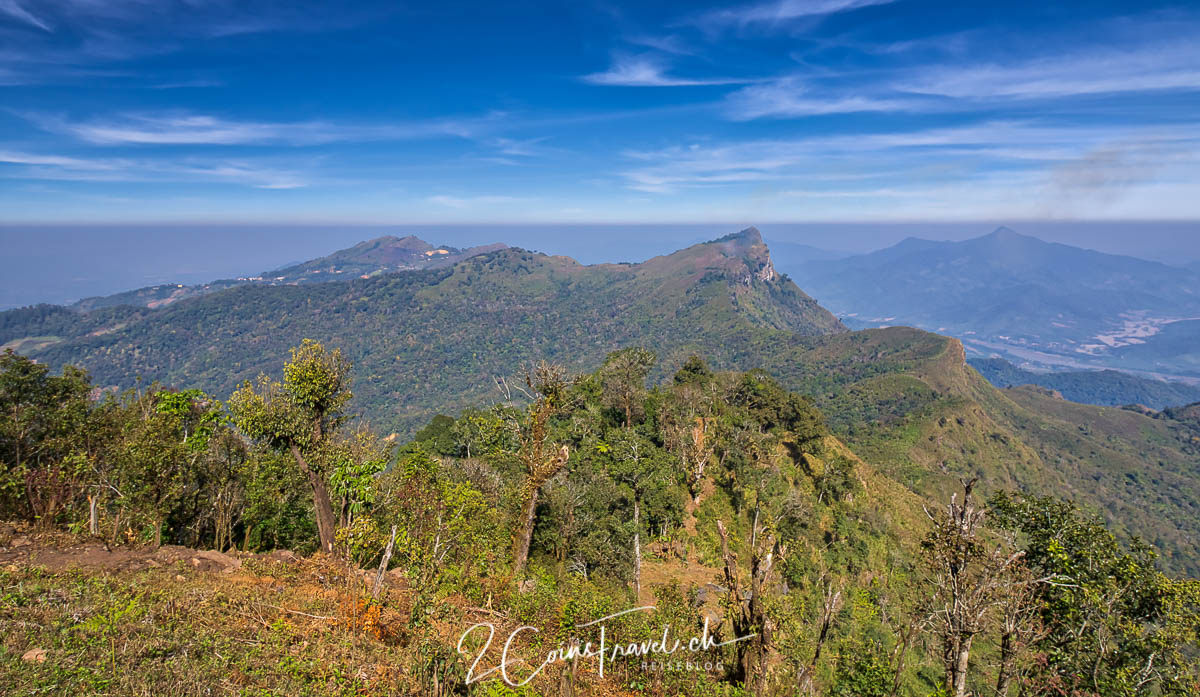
{"x": 511, "y": 112}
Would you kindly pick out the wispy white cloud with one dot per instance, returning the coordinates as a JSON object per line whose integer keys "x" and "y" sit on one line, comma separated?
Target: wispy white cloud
{"x": 528, "y": 147}
{"x": 14, "y": 9}
{"x": 936, "y": 153}
{"x": 790, "y": 97}
{"x": 1136, "y": 68}
{"x": 779, "y": 11}
{"x": 23, "y": 158}
{"x": 650, "y": 71}
{"x": 192, "y": 130}
{"x": 212, "y": 18}
{"x": 667, "y": 43}
{"x": 41, "y": 166}
{"x": 187, "y": 84}
{"x": 51, "y": 41}
{"x": 203, "y": 129}
{"x": 953, "y": 85}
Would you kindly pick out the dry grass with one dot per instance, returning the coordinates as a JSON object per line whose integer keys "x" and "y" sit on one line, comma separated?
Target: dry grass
{"x": 136, "y": 621}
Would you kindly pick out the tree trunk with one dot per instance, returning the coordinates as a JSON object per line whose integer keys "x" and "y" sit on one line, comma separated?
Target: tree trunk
{"x": 1007, "y": 669}
{"x": 321, "y": 504}
{"x": 521, "y": 555}
{"x": 962, "y": 659}
{"x": 637, "y": 549}
{"x": 93, "y": 518}
{"x": 383, "y": 564}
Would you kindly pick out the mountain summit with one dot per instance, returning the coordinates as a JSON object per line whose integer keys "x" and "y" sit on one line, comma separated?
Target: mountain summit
{"x": 380, "y": 255}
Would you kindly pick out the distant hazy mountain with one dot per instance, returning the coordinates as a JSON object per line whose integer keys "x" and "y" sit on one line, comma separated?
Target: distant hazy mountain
{"x": 791, "y": 254}
{"x": 1102, "y": 387}
{"x": 1042, "y": 302}
{"x": 363, "y": 260}
{"x": 377, "y": 256}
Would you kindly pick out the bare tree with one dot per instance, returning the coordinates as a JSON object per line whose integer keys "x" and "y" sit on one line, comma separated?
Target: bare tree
{"x": 968, "y": 582}
{"x": 692, "y": 443}
{"x": 1021, "y": 625}
{"x": 542, "y": 460}
{"x": 831, "y": 603}
{"x": 748, "y": 611}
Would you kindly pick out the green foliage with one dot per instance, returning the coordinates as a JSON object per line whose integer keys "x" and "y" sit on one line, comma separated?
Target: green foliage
{"x": 304, "y": 409}
{"x": 693, "y": 370}
{"x": 1117, "y": 625}
{"x": 623, "y": 379}
{"x": 863, "y": 670}
{"x": 439, "y": 436}
{"x": 483, "y": 432}
{"x": 43, "y": 431}
{"x": 303, "y": 415}
{"x": 353, "y": 463}
{"x": 446, "y": 529}
{"x": 278, "y": 510}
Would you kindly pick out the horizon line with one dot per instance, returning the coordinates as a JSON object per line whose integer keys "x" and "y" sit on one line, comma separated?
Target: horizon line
{"x": 622, "y": 223}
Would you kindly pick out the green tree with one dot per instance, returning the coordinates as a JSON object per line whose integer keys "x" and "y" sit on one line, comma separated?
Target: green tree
{"x": 439, "y": 436}
{"x": 300, "y": 415}
{"x": 1114, "y": 625}
{"x": 222, "y": 476}
{"x": 353, "y": 462}
{"x": 43, "y": 420}
{"x": 623, "y": 377}
{"x": 442, "y": 524}
{"x": 161, "y": 438}
{"x": 641, "y": 467}
{"x": 483, "y": 432}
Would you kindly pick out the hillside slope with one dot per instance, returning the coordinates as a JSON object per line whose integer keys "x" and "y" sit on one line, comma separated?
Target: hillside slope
{"x": 907, "y": 401}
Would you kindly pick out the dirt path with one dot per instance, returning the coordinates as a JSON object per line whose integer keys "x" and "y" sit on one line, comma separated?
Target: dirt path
{"x": 59, "y": 553}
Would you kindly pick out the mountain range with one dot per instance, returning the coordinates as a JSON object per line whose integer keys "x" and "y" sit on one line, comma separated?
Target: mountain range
{"x": 1015, "y": 296}
{"x": 440, "y": 339}
{"x": 435, "y": 337}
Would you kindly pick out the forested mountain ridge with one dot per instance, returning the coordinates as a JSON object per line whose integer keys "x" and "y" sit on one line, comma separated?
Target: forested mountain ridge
{"x": 381, "y": 255}
{"x": 818, "y": 470}
{"x": 433, "y": 340}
